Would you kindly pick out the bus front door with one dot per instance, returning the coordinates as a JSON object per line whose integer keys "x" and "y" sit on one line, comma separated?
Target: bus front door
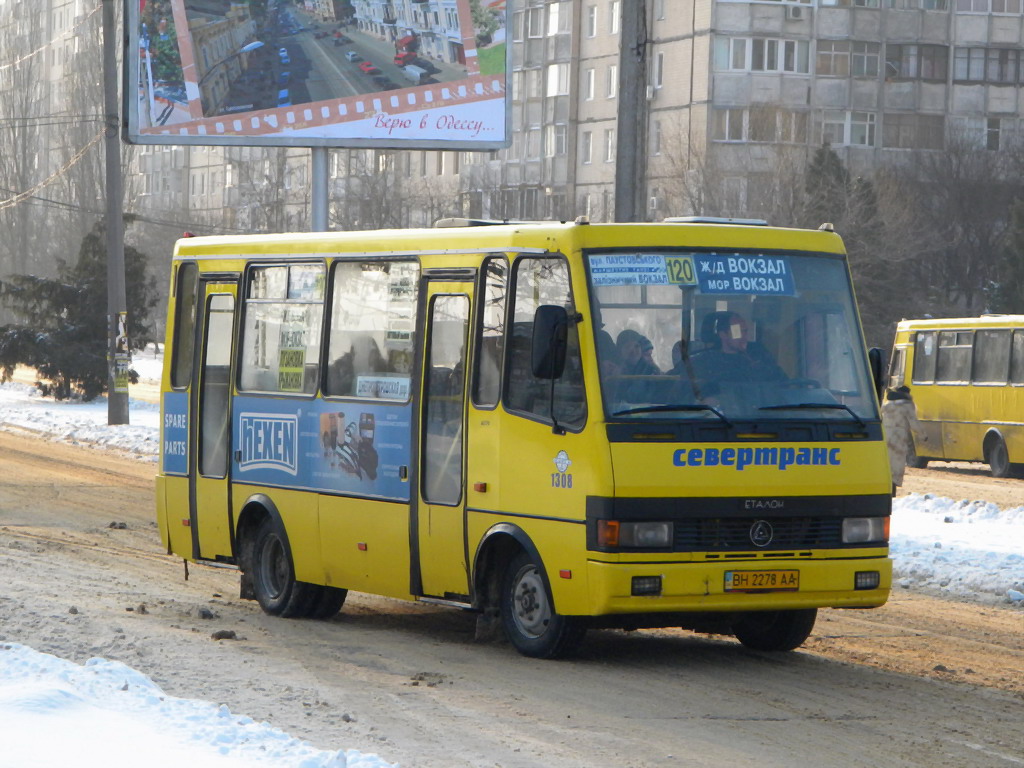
{"x": 440, "y": 518}
{"x": 210, "y": 427}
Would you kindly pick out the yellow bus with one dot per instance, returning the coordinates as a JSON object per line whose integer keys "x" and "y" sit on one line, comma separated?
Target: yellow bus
{"x": 555, "y": 425}
{"x": 966, "y": 377}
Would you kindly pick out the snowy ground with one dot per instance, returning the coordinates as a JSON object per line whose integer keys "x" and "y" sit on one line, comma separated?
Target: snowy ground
{"x": 967, "y": 549}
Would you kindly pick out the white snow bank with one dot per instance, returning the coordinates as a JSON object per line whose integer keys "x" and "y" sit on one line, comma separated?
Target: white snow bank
{"x": 55, "y": 713}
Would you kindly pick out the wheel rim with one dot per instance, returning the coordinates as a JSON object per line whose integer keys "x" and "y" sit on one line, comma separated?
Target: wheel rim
{"x": 273, "y": 570}
{"x": 530, "y": 607}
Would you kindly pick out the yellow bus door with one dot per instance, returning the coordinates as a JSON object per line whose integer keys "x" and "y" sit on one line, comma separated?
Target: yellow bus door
{"x": 441, "y": 518}
{"x": 210, "y": 429}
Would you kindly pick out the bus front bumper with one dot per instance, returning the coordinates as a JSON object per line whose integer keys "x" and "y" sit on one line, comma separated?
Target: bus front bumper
{"x": 664, "y": 587}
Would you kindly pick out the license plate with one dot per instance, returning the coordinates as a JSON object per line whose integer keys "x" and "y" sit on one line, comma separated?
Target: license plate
{"x": 762, "y": 581}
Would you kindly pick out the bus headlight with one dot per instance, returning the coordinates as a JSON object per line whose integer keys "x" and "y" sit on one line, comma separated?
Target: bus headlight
{"x": 861, "y": 530}
{"x": 614, "y": 533}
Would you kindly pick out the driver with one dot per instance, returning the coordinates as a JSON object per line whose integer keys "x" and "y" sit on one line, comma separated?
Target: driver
{"x": 732, "y": 357}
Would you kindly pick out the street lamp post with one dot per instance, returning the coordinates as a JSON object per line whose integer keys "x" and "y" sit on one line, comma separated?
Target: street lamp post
{"x": 247, "y": 48}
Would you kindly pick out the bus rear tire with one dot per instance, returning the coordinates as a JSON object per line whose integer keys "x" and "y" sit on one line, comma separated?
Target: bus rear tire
{"x": 775, "y": 630}
{"x": 327, "y": 602}
{"x": 913, "y": 460}
{"x": 273, "y": 575}
{"x": 997, "y": 457}
{"x": 527, "y": 615}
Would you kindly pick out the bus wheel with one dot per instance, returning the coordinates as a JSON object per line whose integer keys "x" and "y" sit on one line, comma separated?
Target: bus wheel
{"x": 775, "y": 630}
{"x": 327, "y": 602}
{"x": 273, "y": 575}
{"x": 997, "y": 457}
{"x": 913, "y": 460}
{"x": 530, "y": 622}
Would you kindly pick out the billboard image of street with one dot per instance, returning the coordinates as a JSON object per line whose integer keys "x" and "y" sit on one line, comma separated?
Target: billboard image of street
{"x": 413, "y": 73}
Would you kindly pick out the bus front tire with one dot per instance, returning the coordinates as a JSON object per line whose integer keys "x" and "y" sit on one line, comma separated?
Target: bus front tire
{"x": 273, "y": 575}
{"x": 529, "y": 619}
{"x": 775, "y": 630}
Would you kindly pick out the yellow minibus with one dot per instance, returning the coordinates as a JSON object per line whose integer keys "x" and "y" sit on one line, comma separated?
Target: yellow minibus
{"x": 558, "y": 426}
{"x": 966, "y": 377}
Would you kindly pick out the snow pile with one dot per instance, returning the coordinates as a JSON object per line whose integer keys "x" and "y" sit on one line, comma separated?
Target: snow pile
{"x": 55, "y": 713}
{"x": 965, "y": 549}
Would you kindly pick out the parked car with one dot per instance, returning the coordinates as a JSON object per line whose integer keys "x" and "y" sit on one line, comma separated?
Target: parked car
{"x": 405, "y": 57}
{"x": 384, "y": 83}
{"x": 283, "y": 53}
{"x": 353, "y": 56}
{"x": 415, "y": 75}
{"x": 369, "y": 68}
{"x": 283, "y": 98}
{"x": 320, "y": 35}
{"x": 282, "y": 79}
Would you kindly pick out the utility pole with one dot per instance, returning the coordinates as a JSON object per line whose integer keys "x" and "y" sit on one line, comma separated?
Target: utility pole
{"x": 631, "y": 125}
{"x": 117, "y": 314}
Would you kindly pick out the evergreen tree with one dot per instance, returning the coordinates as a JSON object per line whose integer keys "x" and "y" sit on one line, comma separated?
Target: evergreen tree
{"x": 63, "y": 328}
{"x": 828, "y": 187}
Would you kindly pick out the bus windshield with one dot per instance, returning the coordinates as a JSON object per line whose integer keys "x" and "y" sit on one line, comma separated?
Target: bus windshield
{"x": 728, "y": 336}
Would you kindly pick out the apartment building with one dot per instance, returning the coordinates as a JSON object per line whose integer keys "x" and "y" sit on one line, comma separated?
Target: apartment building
{"x": 737, "y": 96}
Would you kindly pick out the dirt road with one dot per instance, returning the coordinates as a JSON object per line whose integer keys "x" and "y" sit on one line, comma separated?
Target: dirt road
{"x": 920, "y": 682}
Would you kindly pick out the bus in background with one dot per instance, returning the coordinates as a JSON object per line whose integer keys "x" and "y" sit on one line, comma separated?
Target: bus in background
{"x": 966, "y": 376}
{"x": 558, "y": 426}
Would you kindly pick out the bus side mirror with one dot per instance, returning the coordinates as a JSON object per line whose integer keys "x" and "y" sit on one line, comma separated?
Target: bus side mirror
{"x": 877, "y": 370}
{"x": 550, "y": 333}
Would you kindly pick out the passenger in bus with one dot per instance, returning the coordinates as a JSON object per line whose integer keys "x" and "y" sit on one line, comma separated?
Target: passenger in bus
{"x": 731, "y": 356}
{"x": 633, "y": 364}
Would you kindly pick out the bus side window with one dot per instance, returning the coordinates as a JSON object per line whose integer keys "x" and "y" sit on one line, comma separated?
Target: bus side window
{"x": 490, "y": 333}
{"x": 991, "y": 356}
{"x": 924, "y": 357}
{"x": 373, "y": 312}
{"x": 1017, "y": 358}
{"x": 543, "y": 281}
{"x": 281, "y": 332}
{"x": 184, "y": 324}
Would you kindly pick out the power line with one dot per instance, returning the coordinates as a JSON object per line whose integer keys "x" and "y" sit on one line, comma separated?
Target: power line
{"x": 13, "y": 201}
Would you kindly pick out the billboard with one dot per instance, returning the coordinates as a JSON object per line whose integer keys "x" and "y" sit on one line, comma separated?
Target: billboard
{"x": 427, "y": 74}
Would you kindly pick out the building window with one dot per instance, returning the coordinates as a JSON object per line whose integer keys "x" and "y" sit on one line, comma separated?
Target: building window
{"x": 609, "y": 145}
{"x": 591, "y": 21}
{"x": 848, "y": 127}
{"x": 1002, "y": 65}
{"x": 586, "y": 147}
{"x": 916, "y": 62}
{"x": 558, "y": 79}
{"x": 611, "y": 86}
{"x": 729, "y": 124}
{"x": 535, "y": 22}
{"x": 864, "y": 59}
{"x": 969, "y": 64}
{"x": 555, "y": 140}
{"x": 588, "y": 85}
{"x": 759, "y": 54}
{"x": 656, "y": 137}
{"x": 972, "y": 6}
{"x": 913, "y": 131}
{"x": 614, "y": 14}
{"x": 658, "y": 77}
{"x": 833, "y": 58}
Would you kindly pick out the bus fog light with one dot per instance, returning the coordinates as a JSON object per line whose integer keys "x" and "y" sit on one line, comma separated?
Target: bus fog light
{"x": 859, "y": 530}
{"x": 866, "y": 580}
{"x": 646, "y": 585}
{"x": 645, "y": 534}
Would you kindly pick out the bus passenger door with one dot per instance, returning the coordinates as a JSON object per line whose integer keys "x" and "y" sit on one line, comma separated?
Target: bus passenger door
{"x": 210, "y": 426}
{"x": 441, "y": 519}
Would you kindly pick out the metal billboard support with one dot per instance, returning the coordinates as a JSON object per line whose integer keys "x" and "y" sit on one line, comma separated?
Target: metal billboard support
{"x": 319, "y": 190}
{"x": 117, "y": 318}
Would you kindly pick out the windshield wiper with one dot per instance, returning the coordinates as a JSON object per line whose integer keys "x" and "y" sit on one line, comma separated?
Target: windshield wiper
{"x": 831, "y": 406}
{"x": 674, "y": 407}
